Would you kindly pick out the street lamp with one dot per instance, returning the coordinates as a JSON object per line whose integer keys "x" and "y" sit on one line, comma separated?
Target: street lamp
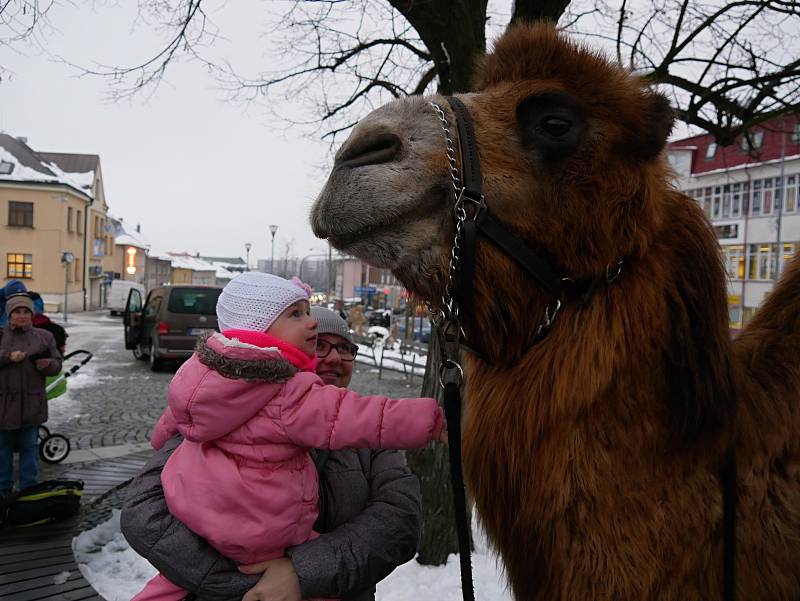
{"x": 247, "y": 247}
{"x": 272, "y": 230}
{"x": 67, "y": 258}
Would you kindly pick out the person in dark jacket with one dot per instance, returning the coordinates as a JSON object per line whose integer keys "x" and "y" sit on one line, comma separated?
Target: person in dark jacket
{"x": 40, "y": 320}
{"x": 27, "y": 355}
{"x": 369, "y": 517}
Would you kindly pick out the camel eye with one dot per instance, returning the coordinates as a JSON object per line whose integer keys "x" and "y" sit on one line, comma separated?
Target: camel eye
{"x": 555, "y": 126}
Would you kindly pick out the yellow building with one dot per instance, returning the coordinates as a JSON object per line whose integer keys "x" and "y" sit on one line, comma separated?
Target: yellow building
{"x": 53, "y": 226}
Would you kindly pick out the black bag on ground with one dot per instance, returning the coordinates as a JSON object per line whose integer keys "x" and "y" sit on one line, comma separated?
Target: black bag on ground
{"x": 45, "y": 502}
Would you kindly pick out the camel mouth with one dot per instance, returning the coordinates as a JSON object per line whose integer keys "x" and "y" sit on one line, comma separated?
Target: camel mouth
{"x": 381, "y": 238}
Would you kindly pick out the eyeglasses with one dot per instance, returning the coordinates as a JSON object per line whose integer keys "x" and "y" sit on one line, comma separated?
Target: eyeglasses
{"x": 347, "y": 351}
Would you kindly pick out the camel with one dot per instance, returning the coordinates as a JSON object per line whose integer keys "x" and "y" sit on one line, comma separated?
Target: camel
{"x": 593, "y": 455}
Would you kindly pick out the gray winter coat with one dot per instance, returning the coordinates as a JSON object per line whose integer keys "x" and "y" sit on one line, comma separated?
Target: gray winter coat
{"x": 369, "y": 520}
{"x": 23, "y": 400}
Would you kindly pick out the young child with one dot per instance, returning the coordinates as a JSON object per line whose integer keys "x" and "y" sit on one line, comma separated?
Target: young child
{"x": 27, "y": 355}
{"x": 250, "y": 407}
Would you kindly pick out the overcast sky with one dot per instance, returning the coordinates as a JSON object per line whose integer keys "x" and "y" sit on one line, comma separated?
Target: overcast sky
{"x": 198, "y": 172}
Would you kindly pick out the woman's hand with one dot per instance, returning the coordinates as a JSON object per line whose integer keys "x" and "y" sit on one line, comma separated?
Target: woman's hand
{"x": 17, "y": 356}
{"x": 42, "y": 364}
{"x": 279, "y": 582}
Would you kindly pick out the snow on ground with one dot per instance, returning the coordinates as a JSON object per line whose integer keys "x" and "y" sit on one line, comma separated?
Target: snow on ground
{"x": 392, "y": 357}
{"x": 108, "y": 563}
{"x": 118, "y": 573}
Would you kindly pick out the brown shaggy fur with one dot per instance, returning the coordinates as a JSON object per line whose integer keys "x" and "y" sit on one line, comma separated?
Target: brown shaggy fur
{"x": 593, "y": 457}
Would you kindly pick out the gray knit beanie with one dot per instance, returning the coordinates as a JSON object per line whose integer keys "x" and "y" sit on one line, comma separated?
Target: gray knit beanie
{"x": 330, "y": 323}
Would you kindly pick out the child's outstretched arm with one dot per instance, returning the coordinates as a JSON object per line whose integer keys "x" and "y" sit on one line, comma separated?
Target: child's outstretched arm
{"x": 166, "y": 427}
{"x": 327, "y": 417}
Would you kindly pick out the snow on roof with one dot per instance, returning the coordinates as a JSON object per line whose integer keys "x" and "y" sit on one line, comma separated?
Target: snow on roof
{"x": 20, "y": 163}
{"x": 127, "y": 239}
{"x": 223, "y": 273}
{"x": 185, "y": 261}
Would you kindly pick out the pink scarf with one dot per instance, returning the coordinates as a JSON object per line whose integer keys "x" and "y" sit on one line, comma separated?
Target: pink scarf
{"x": 263, "y": 340}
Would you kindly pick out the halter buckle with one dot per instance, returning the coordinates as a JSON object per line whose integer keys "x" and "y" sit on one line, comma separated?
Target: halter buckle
{"x": 466, "y": 196}
{"x": 449, "y": 364}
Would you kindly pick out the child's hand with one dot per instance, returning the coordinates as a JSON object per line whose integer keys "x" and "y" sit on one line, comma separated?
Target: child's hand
{"x": 42, "y": 363}
{"x": 443, "y": 434}
{"x": 17, "y": 356}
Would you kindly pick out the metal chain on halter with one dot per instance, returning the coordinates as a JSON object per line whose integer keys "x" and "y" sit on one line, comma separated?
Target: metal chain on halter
{"x": 447, "y": 316}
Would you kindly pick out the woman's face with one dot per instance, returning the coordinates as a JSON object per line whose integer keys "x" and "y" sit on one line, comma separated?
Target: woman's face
{"x": 331, "y": 368}
{"x": 296, "y": 326}
{"x": 20, "y": 318}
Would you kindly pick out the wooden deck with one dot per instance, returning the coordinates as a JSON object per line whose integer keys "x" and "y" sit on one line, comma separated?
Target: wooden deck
{"x": 34, "y": 560}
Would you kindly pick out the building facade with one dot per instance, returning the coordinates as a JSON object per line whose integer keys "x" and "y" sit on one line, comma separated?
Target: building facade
{"x": 53, "y": 215}
{"x": 749, "y": 190}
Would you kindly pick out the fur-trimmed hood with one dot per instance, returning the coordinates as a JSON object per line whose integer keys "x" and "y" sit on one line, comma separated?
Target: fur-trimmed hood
{"x": 239, "y": 360}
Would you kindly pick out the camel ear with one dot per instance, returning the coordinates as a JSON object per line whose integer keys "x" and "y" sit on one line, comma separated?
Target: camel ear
{"x": 658, "y": 121}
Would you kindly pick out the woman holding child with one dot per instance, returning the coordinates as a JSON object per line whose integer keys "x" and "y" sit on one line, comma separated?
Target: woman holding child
{"x": 264, "y": 361}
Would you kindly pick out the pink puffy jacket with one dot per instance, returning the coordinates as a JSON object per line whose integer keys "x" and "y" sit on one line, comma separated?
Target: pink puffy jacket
{"x": 243, "y": 478}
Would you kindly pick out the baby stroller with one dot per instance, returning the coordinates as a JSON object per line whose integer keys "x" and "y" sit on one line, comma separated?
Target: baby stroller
{"x": 54, "y": 448}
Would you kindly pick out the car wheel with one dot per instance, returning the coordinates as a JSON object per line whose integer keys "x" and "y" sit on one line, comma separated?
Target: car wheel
{"x": 155, "y": 361}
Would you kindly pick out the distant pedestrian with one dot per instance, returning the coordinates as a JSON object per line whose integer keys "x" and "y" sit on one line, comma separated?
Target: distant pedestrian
{"x": 11, "y": 288}
{"x": 27, "y": 355}
{"x": 250, "y": 407}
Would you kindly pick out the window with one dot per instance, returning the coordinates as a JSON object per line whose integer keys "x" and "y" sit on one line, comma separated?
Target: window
{"x": 762, "y": 261}
{"x": 726, "y": 201}
{"x": 69, "y": 219}
{"x": 78, "y": 272}
{"x": 711, "y": 150}
{"x": 19, "y": 265}
{"x": 736, "y": 200}
{"x": 20, "y": 214}
{"x": 790, "y": 205}
{"x": 796, "y": 133}
{"x": 716, "y": 211}
{"x": 79, "y": 221}
{"x": 733, "y": 259}
{"x": 201, "y": 301}
{"x": 707, "y": 201}
{"x": 6, "y": 167}
{"x": 789, "y": 250}
{"x": 756, "y": 204}
{"x": 752, "y": 140}
{"x": 767, "y": 195}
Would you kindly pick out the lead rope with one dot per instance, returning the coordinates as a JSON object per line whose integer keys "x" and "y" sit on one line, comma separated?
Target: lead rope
{"x": 446, "y": 319}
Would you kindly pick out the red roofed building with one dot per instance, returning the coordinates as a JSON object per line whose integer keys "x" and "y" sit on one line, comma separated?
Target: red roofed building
{"x": 749, "y": 190}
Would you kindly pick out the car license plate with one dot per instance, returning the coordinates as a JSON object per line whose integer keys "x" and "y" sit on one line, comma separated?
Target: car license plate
{"x": 198, "y": 331}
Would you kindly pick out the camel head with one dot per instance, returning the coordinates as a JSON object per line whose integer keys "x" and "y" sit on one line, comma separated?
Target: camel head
{"x": 569, "y": 147}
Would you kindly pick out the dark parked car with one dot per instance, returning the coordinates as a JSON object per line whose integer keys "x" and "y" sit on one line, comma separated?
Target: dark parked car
{"x": 167, "y": 324}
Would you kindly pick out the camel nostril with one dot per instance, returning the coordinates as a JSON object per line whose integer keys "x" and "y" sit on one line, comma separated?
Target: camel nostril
{"x": 372, "y": 150}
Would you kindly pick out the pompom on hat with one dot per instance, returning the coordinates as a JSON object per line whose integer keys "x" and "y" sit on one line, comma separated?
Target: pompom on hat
{"x": 254, "y": 300}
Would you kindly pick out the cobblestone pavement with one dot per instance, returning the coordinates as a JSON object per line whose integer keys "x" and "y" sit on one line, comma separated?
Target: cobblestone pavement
{"x": 115, "y": 399}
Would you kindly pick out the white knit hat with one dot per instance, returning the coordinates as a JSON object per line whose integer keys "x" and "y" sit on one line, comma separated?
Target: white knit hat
{"x": 254, "y": 300}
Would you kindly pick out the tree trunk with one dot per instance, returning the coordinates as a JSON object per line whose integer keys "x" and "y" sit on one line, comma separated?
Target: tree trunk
{"x": 432, "y": 467}
{"x": 537, "y": 10}
{"x": 453, "y": 31}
